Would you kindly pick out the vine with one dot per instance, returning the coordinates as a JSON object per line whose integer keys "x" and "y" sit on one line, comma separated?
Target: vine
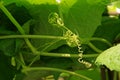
{"x": 18, "y": 26}
{"x": 72, "y": 40}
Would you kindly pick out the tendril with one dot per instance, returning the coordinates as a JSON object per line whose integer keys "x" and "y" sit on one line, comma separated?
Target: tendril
{"x": 72, "y": 39}
{"x": 55, "y": 20}
{"x": 87, "y": 64}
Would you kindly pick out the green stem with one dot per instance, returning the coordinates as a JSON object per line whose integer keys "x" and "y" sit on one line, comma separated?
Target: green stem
{"x": 58, "y": 70}
{"x": 18, "y": 26}
{"x": 94, "y": 48}
{"x": 32, "y": 36}
{"x": 115, "y": 76}
{"x": 20, "y": 62}
{"x": 42, "y": 51}
{"x": 22, "y": 59}
{"x": 119, "y": 75}
{"x": 12, "y": 19}
{"x": 67, "y": 55}
{"x": 60, "y": 12}
{"x": 102, "y": 40}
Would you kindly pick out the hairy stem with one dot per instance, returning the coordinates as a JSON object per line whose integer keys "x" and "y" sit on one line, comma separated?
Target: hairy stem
{"x": 18, "y": 26}
{"x": 56, "y": 69}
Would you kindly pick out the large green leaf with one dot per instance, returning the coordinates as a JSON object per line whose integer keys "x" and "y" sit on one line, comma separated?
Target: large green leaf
{"x": 84, "y": 18}
{"x": 79, "y": 16}
{"x": 110, "y": 58}
{"x": 41, "y": 27}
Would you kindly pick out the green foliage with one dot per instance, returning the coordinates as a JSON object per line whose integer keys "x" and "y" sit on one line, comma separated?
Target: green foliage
{"x": 78, "y": 17}
{"x": 108, "y": 30}
{"x": 110, "y": 58}
{"x": 117, "y": 4}
{"x": 6, "y": 47}
{"x": 7, "y": 71}
{"x": 93, "y": 74}
{"x": 66, "y": 31}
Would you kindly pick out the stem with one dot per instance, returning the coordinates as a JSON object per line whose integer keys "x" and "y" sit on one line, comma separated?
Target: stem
{"x": 118, "y": 75}
{"x": 22, "y": 59}
{"x": 103, "y": 73}
{"x": 94, "y": 48}
{"x": 60, "y": 12}
{"x": 58, "y": 70}
{"x": 20, "y": 62}
{"x": 12, "y": 19}
{"x": 42, "y": 51}
{"x": 115, "y": 76}
{"x": 67, "y": 55}
{"x": 102, "y": 40}
{"x": 32, "y": 36}
{"x": 18, "y": 26}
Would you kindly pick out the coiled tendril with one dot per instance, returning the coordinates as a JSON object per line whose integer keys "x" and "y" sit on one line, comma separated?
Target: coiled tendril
{"x": 55, "y": 20}
{"x": 72, "y": 39}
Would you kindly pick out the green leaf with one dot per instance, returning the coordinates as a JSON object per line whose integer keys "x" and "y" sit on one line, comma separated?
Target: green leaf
{"x": 84, "y": 18}
{"x": 8, "y": 47}
{"x": 65, "y": 6}
{"x": 110, "y": 58}
{"x": 78, "y": 22}
{"x": 42, "y": 27}
{"x": 37, "y": 2}
{"x": 117, "y": 4}
{"x": 98, "y": 1}
{"x": 26, "y": 26}
{"x": 12, "y": 46}
{"x": 93, "y": 74}
{"x": 93, "y": 1}
{"x": 7, "y": 72}
{"x": 108, "y": 29}
{"x": 7, "y": 2}
{"x": 20, "y": 42}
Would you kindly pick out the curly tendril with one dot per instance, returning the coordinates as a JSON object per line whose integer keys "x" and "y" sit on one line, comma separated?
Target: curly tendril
{"x": 87, "y": 64}
{"x": 55, "y": 20}
{"x": 72, "y": 39}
